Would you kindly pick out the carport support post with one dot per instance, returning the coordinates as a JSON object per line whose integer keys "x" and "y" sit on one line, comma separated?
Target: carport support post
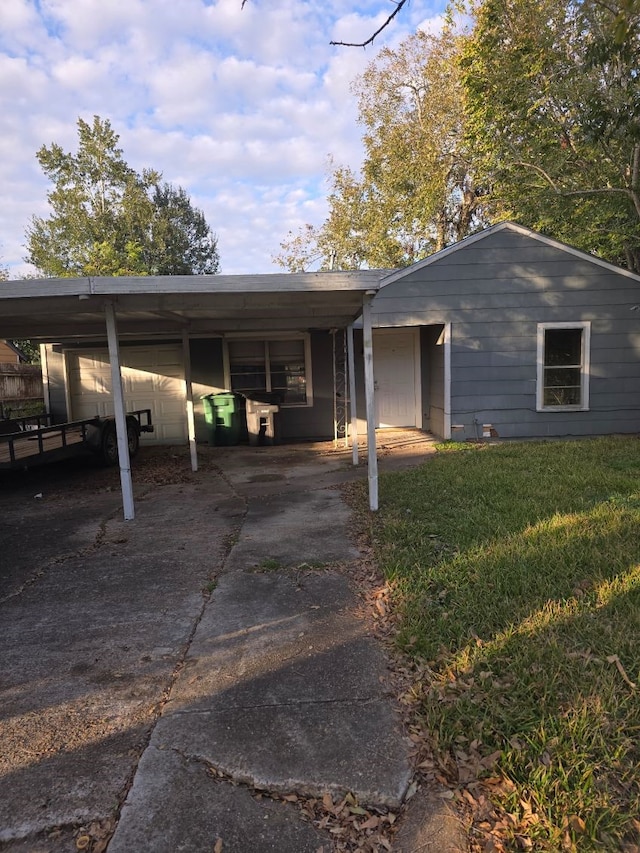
{"x": 353, "y": 408}
{"x": 372, "y": 457}
{"x": 120, "y": 412}
{"x": 191, "y": 424}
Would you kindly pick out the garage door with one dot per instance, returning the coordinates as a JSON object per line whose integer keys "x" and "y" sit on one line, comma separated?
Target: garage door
{"x": 152, "y": 378}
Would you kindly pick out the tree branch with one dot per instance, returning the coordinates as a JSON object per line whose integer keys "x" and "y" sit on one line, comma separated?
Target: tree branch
{"x": 399, "y": 5}
{"x": 558, "y": 191}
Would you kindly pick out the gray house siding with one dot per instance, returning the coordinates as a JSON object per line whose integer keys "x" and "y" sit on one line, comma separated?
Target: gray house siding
{"x": 494, "y": 293}
{"x": 299, "y": 422}
{"x": 316, "y": 421}
{"x": 207, "y": 371}
{"x": 207, "y": 377}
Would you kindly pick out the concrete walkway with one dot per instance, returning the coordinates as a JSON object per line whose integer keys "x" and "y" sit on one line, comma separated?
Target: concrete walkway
{"x": 184, "y": 663}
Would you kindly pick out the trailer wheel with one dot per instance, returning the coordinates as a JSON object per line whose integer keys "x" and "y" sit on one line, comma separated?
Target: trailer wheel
{"x": 133, "y": 436}
{"x": 109, "y": 444}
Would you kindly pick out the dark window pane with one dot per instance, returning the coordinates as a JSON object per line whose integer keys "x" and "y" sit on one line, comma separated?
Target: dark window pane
{"x": 287, "y": 349}
{"x": 562, "y": 347}
{"x": 248, "y": 382}
{"x": 286, "y": 362}
{"x": 562, "y": 397}
{"x": 562, "y": 377}
{"x": 562, "y": 367}
{"x": 247, "y": 366}
{"x": 249, "y": 350}
{"x": 293, "y": 387}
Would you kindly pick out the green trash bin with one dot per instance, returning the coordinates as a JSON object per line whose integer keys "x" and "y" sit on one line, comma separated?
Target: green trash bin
{"x": 210, "y": 417}
{"x": 229, "y": 417}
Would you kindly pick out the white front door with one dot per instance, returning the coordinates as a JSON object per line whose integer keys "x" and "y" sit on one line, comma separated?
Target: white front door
{"x": 396, "y": 374}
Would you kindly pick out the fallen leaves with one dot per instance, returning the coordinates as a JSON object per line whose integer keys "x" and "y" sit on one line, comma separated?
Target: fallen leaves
{"x": 616, "y": 660}
{"x": 95, "y": 837}
{"x": 353, "y": 827}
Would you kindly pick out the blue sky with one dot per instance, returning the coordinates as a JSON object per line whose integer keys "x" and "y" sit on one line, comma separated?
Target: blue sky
{"x": 241, "y": 107}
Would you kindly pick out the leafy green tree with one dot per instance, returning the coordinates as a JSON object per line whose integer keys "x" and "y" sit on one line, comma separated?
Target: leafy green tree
{"x": 28, "y": 349}
{"x": 109, "y": 220}
{"x": 181, "y": 240}
{"x": 553, "y": 99}
{"x": 416, "y": 192}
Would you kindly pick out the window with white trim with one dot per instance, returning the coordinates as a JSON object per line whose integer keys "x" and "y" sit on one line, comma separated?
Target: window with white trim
{"x": 275, "y": 365}
{"x": 563, "y": 366}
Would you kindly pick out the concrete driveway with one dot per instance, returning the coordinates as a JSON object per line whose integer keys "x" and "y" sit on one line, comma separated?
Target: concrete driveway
{"x": 160, "y": 678}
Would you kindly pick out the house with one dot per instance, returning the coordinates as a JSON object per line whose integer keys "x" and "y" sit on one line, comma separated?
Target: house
{"x": 508, "y": 333}
{"x": 10, "y": 354}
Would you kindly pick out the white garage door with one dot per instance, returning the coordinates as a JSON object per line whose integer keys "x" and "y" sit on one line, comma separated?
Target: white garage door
{"x": 152, "y": 378}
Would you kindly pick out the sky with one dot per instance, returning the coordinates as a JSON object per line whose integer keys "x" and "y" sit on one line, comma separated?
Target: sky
{"x": 242, "y": 107}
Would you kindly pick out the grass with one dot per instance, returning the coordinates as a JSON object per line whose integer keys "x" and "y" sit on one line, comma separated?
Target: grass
{"x": 270, "y": 565}
{"x": 515, "y": 572}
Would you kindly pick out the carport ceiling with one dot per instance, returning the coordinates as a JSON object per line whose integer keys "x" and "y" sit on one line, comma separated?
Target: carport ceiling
{"x": 55, "y": 309}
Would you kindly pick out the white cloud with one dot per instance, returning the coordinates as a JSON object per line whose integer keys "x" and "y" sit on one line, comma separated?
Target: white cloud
{"x": 241, "y": 107}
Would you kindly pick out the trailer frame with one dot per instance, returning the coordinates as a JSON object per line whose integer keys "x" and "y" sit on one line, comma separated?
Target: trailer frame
{"x": 25, "y": 442}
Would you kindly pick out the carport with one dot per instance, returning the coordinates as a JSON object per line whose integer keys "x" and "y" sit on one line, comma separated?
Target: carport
{"x": 84, "y": 310}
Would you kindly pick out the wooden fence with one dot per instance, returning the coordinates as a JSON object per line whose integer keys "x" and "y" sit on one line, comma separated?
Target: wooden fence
{"x": 20, "y": 389}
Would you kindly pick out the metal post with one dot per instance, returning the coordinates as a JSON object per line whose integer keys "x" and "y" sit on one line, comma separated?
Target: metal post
{"x": 447, "y": 380}
{"x": 352, "y": 394}
{"x": 44, "y": 363}
{"x": 335, "y": 389}
{"x": 120, "y": 412}
{"x": 191, "y": 424}
{"x": 370, "y": 399}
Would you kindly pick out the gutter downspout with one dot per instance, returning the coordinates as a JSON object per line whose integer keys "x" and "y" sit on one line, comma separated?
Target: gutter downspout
{"x": 119, "y": 411}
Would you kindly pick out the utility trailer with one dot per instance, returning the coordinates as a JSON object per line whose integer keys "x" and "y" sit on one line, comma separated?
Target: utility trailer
{"x": 34, "y": 440}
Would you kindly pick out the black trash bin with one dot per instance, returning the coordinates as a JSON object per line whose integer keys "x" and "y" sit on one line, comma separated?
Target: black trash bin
{"x": 263, "y": 418}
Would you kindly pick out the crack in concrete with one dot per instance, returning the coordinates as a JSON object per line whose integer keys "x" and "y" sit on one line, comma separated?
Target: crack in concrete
{"x": 355, "y": 702}
{"x": 179, "y": 666}
{"x": 97, "y": 543}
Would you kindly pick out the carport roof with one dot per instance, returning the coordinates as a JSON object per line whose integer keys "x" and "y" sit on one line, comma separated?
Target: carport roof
{"x": 53, "y": 309}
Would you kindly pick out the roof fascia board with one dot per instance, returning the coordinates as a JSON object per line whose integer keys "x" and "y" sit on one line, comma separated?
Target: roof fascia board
{"x": 518, "y": 229}
{"x": 286, "y": 283}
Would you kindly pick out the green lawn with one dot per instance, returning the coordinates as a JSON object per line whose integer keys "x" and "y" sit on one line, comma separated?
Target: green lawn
{"x": 515, "y": 575}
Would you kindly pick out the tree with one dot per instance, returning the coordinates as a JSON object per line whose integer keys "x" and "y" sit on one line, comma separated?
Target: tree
{"x": 30, "y": 350}
{"x": 181, "y": 241}
{"x": 109, "y": 220}
{"x": 553, "y": 99}
{"x": 416, "y": 192}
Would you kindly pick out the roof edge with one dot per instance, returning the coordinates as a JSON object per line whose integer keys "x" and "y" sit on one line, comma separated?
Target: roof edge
{"x": 508, "y": 225}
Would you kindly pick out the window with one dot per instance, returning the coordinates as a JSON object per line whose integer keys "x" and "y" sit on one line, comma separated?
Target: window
{"x": 563, "y": 366}
{"x": 277, "y": 365}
